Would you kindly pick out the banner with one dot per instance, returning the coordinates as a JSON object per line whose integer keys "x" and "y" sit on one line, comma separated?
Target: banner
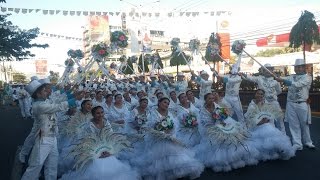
{"x": 99, "y": 29}
{"x": 41, "y": 67}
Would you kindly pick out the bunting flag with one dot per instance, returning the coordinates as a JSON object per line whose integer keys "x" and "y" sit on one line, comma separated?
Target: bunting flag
{"x": 11, "y": 28}
{"x": 99, "y": 13}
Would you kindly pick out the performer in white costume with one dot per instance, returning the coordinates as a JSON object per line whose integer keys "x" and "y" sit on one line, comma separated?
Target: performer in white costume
{"x": 272, "y": 88}
{"x": 118, "y": 114}
{"x": 181, "y": 84}
{"x": 204, "y": 82}
{"x": 298, "y": 112}
{"x": 187, "y": 125}
{"x": 225, "y": 143}
{"x": 95, "y": 155}
{"x": 270, "y": 141}
{"x": 233, "y": 81}
{"x": 24, "y": 102}
{"x": 164, "y": 156}
{"x": 45, "y": 150}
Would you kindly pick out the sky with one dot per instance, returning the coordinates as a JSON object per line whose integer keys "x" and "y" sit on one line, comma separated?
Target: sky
{"x": 247, "y": 16}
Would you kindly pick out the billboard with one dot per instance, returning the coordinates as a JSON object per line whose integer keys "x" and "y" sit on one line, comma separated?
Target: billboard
{"x": 41, "y": 67}
{"x": 99, "y": 28}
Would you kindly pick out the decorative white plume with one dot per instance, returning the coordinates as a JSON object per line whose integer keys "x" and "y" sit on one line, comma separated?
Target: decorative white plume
{"x": 92, "y": 147}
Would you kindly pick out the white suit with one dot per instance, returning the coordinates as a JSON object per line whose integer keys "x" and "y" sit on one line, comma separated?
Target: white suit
{"x": 182, "y": 86}
{"x": 272, "y": 89}
{"x": 232, "y": 94}
{"x": 24, "y": 102}
{"x": 205, "y": 87}
{"x": 45, "y": 150}
{"x": 297, "y": 110}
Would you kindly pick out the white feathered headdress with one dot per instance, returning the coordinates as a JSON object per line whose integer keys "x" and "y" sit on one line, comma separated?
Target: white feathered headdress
{"x": 92, "y": 147}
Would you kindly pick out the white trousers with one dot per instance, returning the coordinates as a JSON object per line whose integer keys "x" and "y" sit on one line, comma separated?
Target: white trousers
{"x": 279, "y": 122}
{"x": 297, "y": 116}
{"x": 44, "y": 153}
{"x": 235, "y": 103}
{"x": 25, "y": 107}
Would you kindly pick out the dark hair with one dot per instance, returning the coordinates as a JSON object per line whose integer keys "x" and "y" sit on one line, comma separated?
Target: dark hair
{"x": 206, "y": 96}
{"x": 188, "y": 91}
{"x": 261, "y": 90}
{"x": 142, "y": 99}
{"x": 84, "y": 101}
{"x": 94, "y": 109}
{"x": 180, "y": 95}
{"x": 108, "y": 95}
{"x": 159, "y": 93}
{"x": 39, "y": 89}
{"x": 115, "y": 96}
{"x": 162, "y": 99}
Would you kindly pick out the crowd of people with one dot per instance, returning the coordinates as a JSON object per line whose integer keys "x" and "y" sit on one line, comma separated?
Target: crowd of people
{"x": 121, "y": 129}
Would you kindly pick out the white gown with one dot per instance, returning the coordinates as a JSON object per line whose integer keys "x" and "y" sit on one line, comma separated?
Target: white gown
{"x": 100, "y": 168}
{"x": 224, "y": 148}
{"x": 270, "y": 141}
{"x": 189, "y": 135}
{"x": 116, "y": 114}
{"x": 165, "y": 158}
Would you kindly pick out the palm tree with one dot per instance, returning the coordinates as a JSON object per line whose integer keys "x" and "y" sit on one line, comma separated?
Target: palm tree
{"x": 305, "y": 32}
{"x": 213, "y": 49}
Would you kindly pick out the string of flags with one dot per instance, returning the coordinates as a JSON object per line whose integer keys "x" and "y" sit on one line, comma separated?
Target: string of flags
{"x": 11, "y": 28}
{"x": 99, "y": 13}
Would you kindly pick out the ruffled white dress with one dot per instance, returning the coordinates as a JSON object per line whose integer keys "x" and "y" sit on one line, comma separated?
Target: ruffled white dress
{"x": 165, "y": 158}
{"x": 270, "y": 141}
{"x": 70, "y": 133}
{"x": 224, "y": 148}
{"x": 116, "y": 114}
{"x": 190, "y": 136}
{"x": 102, "y": 168}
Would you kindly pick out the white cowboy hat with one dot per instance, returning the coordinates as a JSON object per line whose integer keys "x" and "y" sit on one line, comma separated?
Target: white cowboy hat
{"x": 299, "y": 62}
{"x": 203, "y": 72}
{"x": 33, "y": 86}
{"x": 34, "y": 78}
{"x": 44, "y": 81}
{"x": 180, "y": 74}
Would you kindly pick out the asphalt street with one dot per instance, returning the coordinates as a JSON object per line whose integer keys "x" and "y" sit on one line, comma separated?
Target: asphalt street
{"x": 304, "y": 166}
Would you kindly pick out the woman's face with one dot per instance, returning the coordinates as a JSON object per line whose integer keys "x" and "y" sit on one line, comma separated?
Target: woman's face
{"x": 190, "y": 95}
{"x": 99, "y": 95}
{"x": 144, "y": 103}
{"x": 118, "y": 99}
{"x": 215, "y": 96}
{"x": 109, "y": 99}
{"x": 173, "y": 95}
{"x": 259, "y": 96}
{"x": 164, "y": 104}
{"x": 183, "y": 98}
{"x": 87, "y": 106}
{"x": 159, "y": 95}
{"x": 48, "y": 89}
{"x": 42, "y": 94}
{"x": 210, "y": 99}
{"x": 98, "y": 114}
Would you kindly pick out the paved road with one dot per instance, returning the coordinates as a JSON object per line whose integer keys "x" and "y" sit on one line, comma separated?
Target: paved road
{"x": 305, "y": 165}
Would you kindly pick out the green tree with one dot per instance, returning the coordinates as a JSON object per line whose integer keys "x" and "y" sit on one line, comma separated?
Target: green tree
{"x": 178, "y": 58}
{"x": 213, "y": 49}
{"x": 304, "y": 32}
{"x": 128, "y": 69}
{"x": 146, "y": 61}
{"x": 54, "y": 77}
{"x": 15, "y": 43}
{"x": 19, "y": 78}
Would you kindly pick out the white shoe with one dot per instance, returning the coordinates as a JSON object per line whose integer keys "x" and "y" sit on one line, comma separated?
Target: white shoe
{"x": 22, "y": 158}
{"x": 311, "y": 146}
